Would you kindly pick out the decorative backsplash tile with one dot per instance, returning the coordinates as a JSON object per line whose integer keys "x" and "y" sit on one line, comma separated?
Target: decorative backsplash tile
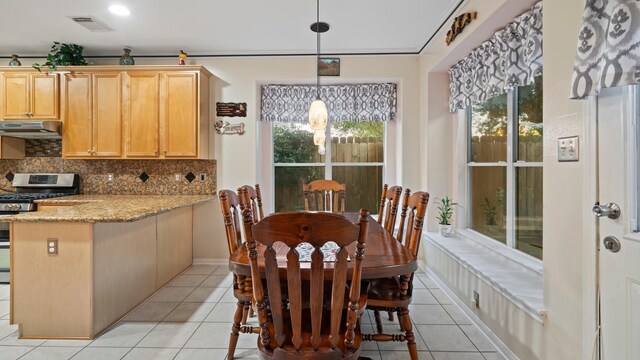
{"x": 126, "y": 175}
{"x": 43, "y": 148}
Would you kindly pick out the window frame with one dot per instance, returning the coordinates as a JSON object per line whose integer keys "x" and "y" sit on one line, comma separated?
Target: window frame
{"x": 511, "y": 164}
{"x": 328, "y": 164}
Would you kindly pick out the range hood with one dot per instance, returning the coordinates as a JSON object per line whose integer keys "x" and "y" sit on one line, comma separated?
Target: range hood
{"x": 31, "y": 129}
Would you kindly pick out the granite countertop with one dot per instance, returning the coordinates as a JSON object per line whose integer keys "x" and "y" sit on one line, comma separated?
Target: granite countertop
{"x": 105, "y": 208}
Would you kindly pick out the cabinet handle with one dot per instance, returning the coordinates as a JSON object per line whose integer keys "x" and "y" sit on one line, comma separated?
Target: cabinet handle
{"x": 155, "y": 152}
{"x": 164, "y": 152}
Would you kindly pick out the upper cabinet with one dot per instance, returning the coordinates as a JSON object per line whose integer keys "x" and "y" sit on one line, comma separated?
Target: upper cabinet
{"x": 92, "y": 114}
{"x": 135, "y": 112}
{"x": 29, "y": 95}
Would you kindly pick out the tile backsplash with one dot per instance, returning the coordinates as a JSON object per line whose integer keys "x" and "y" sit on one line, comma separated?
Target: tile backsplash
{"x": 43, "y": 148}
{"x": 126, "y": 174}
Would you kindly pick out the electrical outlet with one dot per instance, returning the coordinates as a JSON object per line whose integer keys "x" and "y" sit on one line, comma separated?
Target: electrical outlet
{"x": 568, "y": 149}
{"x": 476, "y": 299}
{"x": 52, "y": 246}
{"x": 110, "y": 177}
{"x": 177, "y": 177}
{"x": 203, "y": 177}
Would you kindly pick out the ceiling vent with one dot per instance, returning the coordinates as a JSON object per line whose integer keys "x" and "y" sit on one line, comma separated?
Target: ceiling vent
{"x": 91, "y": 23}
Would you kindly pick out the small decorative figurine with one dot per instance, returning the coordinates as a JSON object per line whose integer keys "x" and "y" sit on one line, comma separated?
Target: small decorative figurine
{"x": 14, "y": 61}
{"x": 182, "y": 58}
{"x": 126, "y": 58}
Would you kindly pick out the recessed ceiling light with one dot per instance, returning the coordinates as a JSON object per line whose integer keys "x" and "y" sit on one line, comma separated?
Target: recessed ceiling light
{"x": 119, "y": 10}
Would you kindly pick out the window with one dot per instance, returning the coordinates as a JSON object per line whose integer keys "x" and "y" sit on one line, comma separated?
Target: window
{"x": 505, "y": 168}
{"x": 355, "y": 157}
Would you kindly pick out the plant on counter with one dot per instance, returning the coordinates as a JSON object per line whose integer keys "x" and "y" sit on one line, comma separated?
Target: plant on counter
{"x": 62, "y": 55}
{"x": 445, "y": 215}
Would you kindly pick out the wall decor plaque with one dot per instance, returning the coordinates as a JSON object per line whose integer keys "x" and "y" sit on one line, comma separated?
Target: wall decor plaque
{"x": 228, "y": 129}
{"x": 459, "y": 24}
{"x": 231, "y": 109}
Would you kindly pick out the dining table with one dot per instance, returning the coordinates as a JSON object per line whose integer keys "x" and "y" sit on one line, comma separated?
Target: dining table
{"x": 384, "y": 256}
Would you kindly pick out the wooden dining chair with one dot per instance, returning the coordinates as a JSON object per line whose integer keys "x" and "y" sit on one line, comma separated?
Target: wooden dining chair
{"x": 254, "y": 199}
{"x": 242, "y": 285}
{"x": 324, "y": 195}
{"x": 394, "y": 294}
{"x": 289, "y": 328}
{"x": 388, "y": 210}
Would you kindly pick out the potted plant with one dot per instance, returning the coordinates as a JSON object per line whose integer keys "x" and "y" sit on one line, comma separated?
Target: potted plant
{"x": 62, "y": 55}
{"x": 445, "y": 214}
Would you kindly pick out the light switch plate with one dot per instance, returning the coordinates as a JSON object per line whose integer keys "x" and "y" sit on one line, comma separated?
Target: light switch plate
{"x": 568, "y": 149}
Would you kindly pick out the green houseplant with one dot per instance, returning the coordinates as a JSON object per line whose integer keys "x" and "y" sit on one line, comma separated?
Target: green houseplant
{"x": 445, "y": 215}
{"x": 62, "y": 55}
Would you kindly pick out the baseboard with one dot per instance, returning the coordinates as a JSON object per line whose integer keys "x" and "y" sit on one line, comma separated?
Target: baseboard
{"x": 210, "y": 261}
{"x": 502, "y": 348}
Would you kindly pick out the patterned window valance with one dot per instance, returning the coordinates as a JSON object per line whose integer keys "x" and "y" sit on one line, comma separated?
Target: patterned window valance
{"x": 512, "y": 57}
{"x": 608, "y": 47}
{"x": 353, "y": 102}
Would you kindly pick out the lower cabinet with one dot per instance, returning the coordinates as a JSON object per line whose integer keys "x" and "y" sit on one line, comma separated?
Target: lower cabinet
{"x": 101, "y": 272}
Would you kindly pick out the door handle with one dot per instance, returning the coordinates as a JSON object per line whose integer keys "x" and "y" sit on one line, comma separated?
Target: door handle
{"x": 610, "y": 210}
{"x": 612, "y": 244}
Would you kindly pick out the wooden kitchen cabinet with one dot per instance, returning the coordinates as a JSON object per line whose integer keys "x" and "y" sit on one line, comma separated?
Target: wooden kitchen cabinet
{"x": 29, "y": 96}
{"x": 179, "y": 131}
{"x": 166, "y": 114}
{"x": 92, "y": 115}
{"x": 142, "y": 114}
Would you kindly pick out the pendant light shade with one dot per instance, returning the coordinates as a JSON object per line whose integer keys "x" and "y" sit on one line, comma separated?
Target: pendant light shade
{"x": 319, "y": 137}
{"x": 318, "y": 115}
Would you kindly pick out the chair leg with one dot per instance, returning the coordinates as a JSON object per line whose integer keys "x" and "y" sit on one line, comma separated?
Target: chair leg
{"x": 245, "y": 313}
{"x": 376, "y": 314}
{"x": 408, "y": 328}
{"x": 235, "y": 330}
{"x": 390, "y": 312}
{"x": 400, "y": 321}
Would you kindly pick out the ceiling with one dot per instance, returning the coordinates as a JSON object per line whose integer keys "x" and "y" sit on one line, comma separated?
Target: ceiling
{"x": 217, "y": 27}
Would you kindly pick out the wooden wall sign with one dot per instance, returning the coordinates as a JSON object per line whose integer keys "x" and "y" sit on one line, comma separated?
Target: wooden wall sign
{"x": 459, "y": 24}
{"x": 231, "y": 109}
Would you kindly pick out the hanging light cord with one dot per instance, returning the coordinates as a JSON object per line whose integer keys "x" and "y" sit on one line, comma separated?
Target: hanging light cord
{"x": 318, "y": 50}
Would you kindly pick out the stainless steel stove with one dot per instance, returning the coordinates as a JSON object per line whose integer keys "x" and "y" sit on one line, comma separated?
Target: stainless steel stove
{"x": 30, "y": 187}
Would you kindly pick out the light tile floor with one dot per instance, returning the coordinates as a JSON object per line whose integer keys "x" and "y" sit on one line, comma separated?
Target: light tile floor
{"x": 190, "y": 319}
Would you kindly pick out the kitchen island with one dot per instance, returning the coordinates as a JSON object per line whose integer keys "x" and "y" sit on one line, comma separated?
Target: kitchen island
{"x": 80, "y": 263}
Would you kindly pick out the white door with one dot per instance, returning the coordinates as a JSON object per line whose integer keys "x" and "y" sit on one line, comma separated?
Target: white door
{"x": 619, "y": 271}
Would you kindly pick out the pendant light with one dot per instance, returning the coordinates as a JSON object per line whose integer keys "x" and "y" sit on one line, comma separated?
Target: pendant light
{"x": 318, "y": 110}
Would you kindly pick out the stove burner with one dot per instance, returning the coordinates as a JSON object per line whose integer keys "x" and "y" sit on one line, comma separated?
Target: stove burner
{"x": 28, "y": 196}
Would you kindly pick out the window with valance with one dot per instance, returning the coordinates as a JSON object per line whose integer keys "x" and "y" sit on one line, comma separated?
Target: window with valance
{"x": 499, "y": 87}
{"x": 355, "y": 140}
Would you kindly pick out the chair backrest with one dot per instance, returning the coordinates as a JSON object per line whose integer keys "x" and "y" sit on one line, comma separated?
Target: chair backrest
{"x": 324, "y": 195}
{"x": 316, "y": 229}
{"x": 389, "y": 207}
{"x": 253, "y": 197}
{"x": 230, "y": 205}
{"x": 414, "y": 207}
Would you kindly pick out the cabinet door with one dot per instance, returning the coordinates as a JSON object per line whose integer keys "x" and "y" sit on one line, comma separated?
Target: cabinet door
{"x": 107, "y": 118}
{"x": 77, "y": 128}
{"x": 15, "y": 96}
{"x": 44, "y": 96}
{"x": 179, "y": 114}
{"x": 142, "y": 115}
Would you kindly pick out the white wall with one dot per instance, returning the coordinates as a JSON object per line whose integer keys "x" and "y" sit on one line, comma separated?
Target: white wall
{"x": 561, "y": 337}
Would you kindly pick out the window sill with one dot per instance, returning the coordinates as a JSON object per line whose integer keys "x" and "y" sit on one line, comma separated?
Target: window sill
{"x": 518, "y": 282}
